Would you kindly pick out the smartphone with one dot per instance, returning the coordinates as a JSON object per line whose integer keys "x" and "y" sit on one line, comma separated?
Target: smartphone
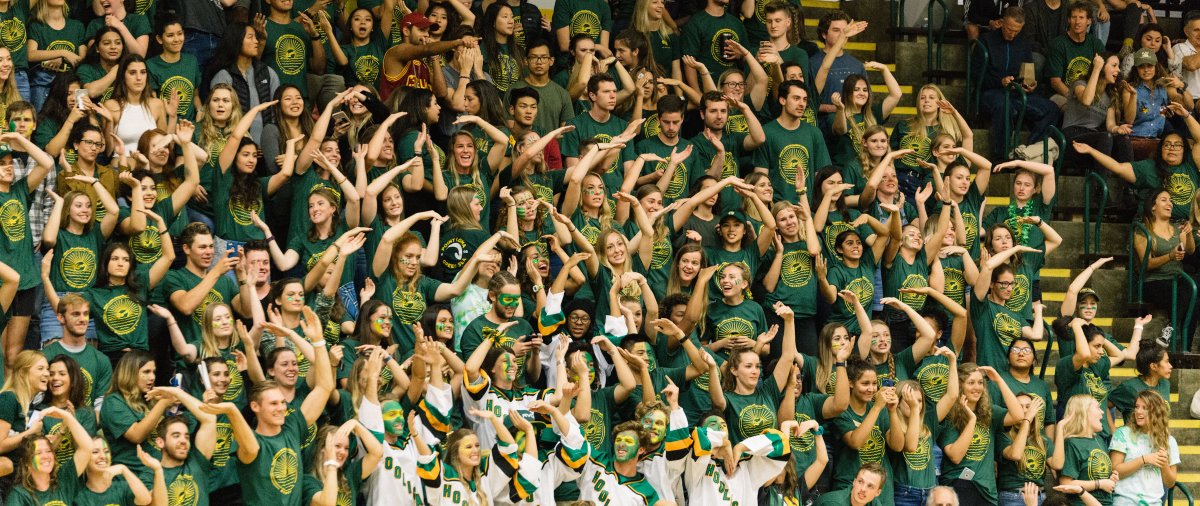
{"x": 723, "y": 39}
{"x": 340, "y": 118}
{"x": 79, "y": 96}
{"x": 889, "y": 382}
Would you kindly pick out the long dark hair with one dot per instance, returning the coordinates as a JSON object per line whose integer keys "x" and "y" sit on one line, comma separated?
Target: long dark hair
{"x": 59, "y": 104}
{"x": 246, "y": 190}
{"x": 93, "y": 56}
{"x": 491, "y": 108}
{"x": 486, "y": 24}
{"x": 121, "y": 90}
{"x": 305, "y": 119}
{"x": 362, "y": 327}
{"x": 133, "y": 287}
{"x": 76, "y": 393}
{"x": 415, "y": 102}
{"x": 227, "y": 52}
{"x": 819, "y": 195}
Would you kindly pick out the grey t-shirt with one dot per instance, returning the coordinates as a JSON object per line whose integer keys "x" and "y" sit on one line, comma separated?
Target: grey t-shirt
{"x": 555, "y": 107}
{"x": 223, "y": 77}
{"x": 202, "y": 15}
{"x": 1078, "y": 115}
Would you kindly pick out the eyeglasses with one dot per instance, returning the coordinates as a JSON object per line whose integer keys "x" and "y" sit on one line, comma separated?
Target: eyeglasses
{"x": 1004, "y": 284}
{"x": 735, "y": 84}
{"x": 94, "y": 144}
{"x": 539, "y": 58}
{"x": 579, "y": 319}
{"x": 1023, "y": 351}
{"x": 1172, "y": 145}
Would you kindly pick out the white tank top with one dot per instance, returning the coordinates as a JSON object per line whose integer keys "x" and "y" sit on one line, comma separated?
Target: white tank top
{"x": 135, "y": 120}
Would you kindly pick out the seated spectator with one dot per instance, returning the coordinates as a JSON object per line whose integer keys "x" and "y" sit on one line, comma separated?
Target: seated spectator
{"x": 1152, "y": 36}
{"x": 1071, "y": 54}
{"x": 1147, "y": 90}
{"x": 1144, "y": 453}
{"x": 1164, "y": 281}
{"x": 1091, "y": 115}
{"x": 1189, "y": 53}
{"x": 1008, "y": 49}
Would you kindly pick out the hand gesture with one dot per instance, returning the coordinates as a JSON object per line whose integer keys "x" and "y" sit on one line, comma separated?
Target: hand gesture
{"x": 990, "y": 373}
{"x": 148, "y": 460}
{"x": 671, "y": 392}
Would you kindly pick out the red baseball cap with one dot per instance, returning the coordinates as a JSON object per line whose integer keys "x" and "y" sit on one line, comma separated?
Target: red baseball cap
{"x": 415, "y": 19}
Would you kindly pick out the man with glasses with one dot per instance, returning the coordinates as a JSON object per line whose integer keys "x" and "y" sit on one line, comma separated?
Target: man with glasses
{"x": 553, "y": 103}
{"x": 1021, "y": 379}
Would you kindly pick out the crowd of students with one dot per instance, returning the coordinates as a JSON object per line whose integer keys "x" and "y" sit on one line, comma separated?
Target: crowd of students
{"x": 442, "y": 253}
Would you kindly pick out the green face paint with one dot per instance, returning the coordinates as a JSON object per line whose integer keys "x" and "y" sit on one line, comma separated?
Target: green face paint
{"x": 715, "y": 423}
{"x": 393, "y": 418}
{"x": 625, "y": 446}
{"x": 440, "y": 327}
{"x": 656, "y": 423}
{"x": 520, "y": 212}
{"x": 508, "y": 300}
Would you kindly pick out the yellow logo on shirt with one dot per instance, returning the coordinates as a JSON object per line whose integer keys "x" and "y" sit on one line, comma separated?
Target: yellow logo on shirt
{"x": 408, "y": 306}
{"x": 220, "y": 455}
{"x": 955, "y": 283}
{"x": 12, "y": 219}
{"x": 933, "y": 378}
{"x": 78, "y": 267}
{"x": 290, "y": 53}
{"x": 585, "y": 22}
{"x": 872, "y": 449}
{"x": 797, "y": 268}
{"x": 146, "y": 246}
{"x": 241, "y": 212}
{"x": 980, "y": 441}
{"x": 183, "y": 491}
{"x": 1020, "y": 294}
{"x": 919, "y": 460}
{"x": 864, "y": 288}
{"x": 1099, "y": 465}
{"x": 1181, "y": 188}
{"x": 1035, "y": 463}
{"x": 366, "y": 69}
{"x": 919, "y": 145}
{"x": 716, "y": 49}
{"x": 284, "y": 470}
{"x": 122, "y": 315}
{"x": 12, "y": 33}
{"x": 1007, "y": 328}
{"x": 754, "y": 419}
{"x": 183, "y": 87}
{"x": 914, "y": 300}
{"x": 212, "y": 297}
{"x": 793, "y": 159}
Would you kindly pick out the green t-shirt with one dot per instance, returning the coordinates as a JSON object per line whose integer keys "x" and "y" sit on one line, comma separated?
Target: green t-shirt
{"x": 751, "y": 415}
{"x": 93, "y": 365}
{"x": 70, "y": 38}
{"x": 969, "y": 207}
{"x": 995, "y": 328}
{"x": 846, "y": 147}
{"x": 121, "y": 319}
{"x": 365, "y": 61}
{"x": 13, "y": 24}
{"x": 17, "y": 243}
{"x": 63, "y": 493}
{"x": 311, "y": 252}
{"x": 407, "y": 306}
{"x": 1087, "y": 459}
{"x": 703, "y": 35}
{"x": 232, "y": 219}
{"x": 746, "y": 320}
{"x": 457, "y": 247}
{"x": 64, "y": 453}
{"x": 147, "y": 244}
{"x": 137, "y": 24}
{"x": 1090, "y": 380}
{"x": 1125, "y": 395}
{"x": 847, "y": 461}
{"x": 1036, "y": 387}
{"x": 75, "y": 259}
{"x": 482, "y": 186}
{"x": 954, "y": 281}
{"x": 918, "y": 469}
{"x": 597, "y": 429}
{"x": 1009, "y": 475}
{"x": 797, "y": 286}
{"x": 287, "y": 53}
{"x": 665, "y": 49}
{"x": 187, "y": 484}
{"x": 860, "y": 280}
{"x": 906, "y": 275}
{"x": 809, "y": 406}
{"x": 347, "y": 488}
{"x": 681, "y": 177}
{"x": 788, "y": 153}
{"x": 703, "y": 153}
{"x": 1181, "y": 183}
{"x": 502, "y": 66}
{"x": 180, "y": 77}
{"x": 1071, "y": 61}
{"x": 933, "y": 374}
{"x": 274, "y": 476}
{"x": 903, "y": 137}
{"x": 555, "y": 107}
{"x": 587, "y": 127}
{"x": 482, "y": 328}
{"x": 183, "y": 279}
{"x": 581, "y": 16}
{"x": 116, "y": 417}
{"x": 980, "y": 457}
{"x": 836, "y": 223}
{"x": 303, "y": 186}
{"x": 92, "y": 72}
{"x": 117, "y": 493}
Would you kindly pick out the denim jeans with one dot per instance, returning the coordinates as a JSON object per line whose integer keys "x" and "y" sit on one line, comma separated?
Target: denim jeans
{"x": 22, "y": 77}
{"x": 39, "y": 86}
{"x": 1040, "y": 115}
{"x": 910, "y": 496}
{"x": 1013, "y": 498}
{"x": 202, "y": 45}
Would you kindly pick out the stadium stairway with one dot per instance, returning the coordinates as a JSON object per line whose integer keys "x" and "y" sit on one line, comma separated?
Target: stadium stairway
{"x": 908, "y": 52}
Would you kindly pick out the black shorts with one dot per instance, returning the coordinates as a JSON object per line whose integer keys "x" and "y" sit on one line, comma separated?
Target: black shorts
{"x": 24, "y": 303}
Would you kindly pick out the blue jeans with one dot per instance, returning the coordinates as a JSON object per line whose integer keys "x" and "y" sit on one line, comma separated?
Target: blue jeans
{"x": 39, "y": 86}
{"x": 202, "y": 45}
{"x": 22, "y": 77}
{"x": 911, "y": 496}
{"x": 1040, "y": 115}
{"x": 1013, "y": 498}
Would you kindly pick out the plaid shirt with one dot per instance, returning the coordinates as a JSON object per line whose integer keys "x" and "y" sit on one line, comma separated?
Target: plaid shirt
{"x": 40, "y": 203}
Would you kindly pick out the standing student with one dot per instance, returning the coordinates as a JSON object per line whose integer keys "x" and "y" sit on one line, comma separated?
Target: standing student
{"x": 95, "y": 368}
{"x": 17, "y": 240}
{"x": 174, "y": 74}
{"x": 39, "y": 478}
{"x": 1080, "y": 455}
{"x": 970, "y": 438}
{"x": 56, "y": 46}
{"x": 864, "y": 432}
{"x": 100, "y": 487}
{"x": 269, "y": 455}
{"x": 1154, "y": 373}
{"x": 130, "y": 414}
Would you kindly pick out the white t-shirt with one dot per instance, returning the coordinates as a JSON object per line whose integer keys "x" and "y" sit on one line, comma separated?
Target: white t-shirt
{"x": 1190, "y": 77}
{"x": 1144, "y": 486}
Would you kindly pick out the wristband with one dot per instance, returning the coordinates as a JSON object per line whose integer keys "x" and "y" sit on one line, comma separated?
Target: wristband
{"x": 333, "y": 463}
{"x": 1138, "y": 327}
{"x": 271, "y": 239}
{"x": 839, "y": 364}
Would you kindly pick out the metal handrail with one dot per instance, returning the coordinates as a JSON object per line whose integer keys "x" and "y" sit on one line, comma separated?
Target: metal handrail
{"x": 929, "y": 49}
{"x": 1135, "y": 271}
{"x": 1012, "y": 130}
{"x": 1091, "y": 230}
{"x": 974, "y": 88}
{"x": 1050, "y": 338}
{"x": 1181, "y": 327}
{"x": 1187, "y": 494}
{"x": 1057, "y": 135}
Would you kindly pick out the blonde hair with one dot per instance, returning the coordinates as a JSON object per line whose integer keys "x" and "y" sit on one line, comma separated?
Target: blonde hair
{"x": 642, "y": 22}
{"x": 208, "y": 340}
{"x": 983, "y": 409}
{"x": 452, "y": 163}
{"x": 68, "y": 200}
{"x": 946, "y": 121}
{"x": 606, "y": 219}
{"x": 864, "y": 158}
{"x": 207, "y": 128}
{"x": 458, "y": 206}
{"x": 125, "y": 380}
{"x": 1074, "y": 421}
{"x": 1158, "y": 415}
{"x": 18, "y": 382}
{"x": 1034, "y": 438}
